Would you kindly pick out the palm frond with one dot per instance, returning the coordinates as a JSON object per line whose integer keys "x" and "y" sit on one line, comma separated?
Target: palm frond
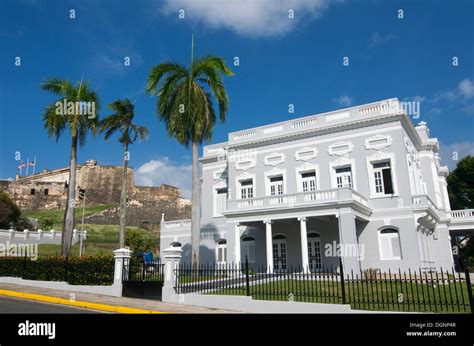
{"x": 158, "y": 71}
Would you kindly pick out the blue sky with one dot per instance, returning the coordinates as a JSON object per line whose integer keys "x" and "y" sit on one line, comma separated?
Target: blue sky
{"x": 282, "y": 61}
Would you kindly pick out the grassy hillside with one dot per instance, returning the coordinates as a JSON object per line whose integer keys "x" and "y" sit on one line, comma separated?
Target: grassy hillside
{"x": 57, "y": 215}
{"x": 101, "y": 239}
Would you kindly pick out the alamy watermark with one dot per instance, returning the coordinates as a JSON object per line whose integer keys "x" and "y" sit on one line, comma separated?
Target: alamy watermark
{"x": 9, "y": 249}
{"x": 336, "y": 249}
{"x": 76, "y": 108}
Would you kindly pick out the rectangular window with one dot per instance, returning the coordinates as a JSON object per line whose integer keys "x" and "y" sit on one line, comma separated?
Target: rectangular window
{"x": 246, "y": 189}
{"x": 276, "y": 185}
{"x": 46, "y": 192}
{"x": 344, "y": 177}
{"x": 308, "y": 181}
{"x": 32, "y": 191}
{"x": 383, "y": 178}
{"x": 220, "y": 200}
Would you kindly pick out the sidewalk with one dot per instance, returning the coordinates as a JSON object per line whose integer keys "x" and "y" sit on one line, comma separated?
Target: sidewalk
{"x": 122, "y": 303}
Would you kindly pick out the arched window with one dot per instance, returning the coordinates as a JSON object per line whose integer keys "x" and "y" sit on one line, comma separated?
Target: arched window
{"x": 248, "y": 249}
{"x": 176, "y": 244}
{"x": 221, "y": 251}
{"x": 389, "y": 244}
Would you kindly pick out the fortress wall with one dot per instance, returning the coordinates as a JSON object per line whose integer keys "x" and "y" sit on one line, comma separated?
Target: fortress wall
{"x": 103, "y": 186}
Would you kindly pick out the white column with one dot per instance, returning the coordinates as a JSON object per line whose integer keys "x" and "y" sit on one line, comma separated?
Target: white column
{"x": 237, "y": 258}
{"x": 304, "y": 244}
{"x": 269, "y": 245}
{"x": 171, "y": 259}
{"x": 122, "y": 260}
{"x": 348, "y": 240}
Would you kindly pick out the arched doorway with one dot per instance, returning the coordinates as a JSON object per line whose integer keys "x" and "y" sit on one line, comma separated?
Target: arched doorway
{"x": 314, "y": 252}
{"x": 279, "y": 252}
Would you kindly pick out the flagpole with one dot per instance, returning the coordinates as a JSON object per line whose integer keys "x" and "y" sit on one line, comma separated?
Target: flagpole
{"x": 34, "y": 166}
{"x": 27, "y": 165}
{"x": 21, "y": 166}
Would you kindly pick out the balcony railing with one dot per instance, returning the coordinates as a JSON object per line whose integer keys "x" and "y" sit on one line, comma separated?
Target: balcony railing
{"x": 176, "y": 224}
{"x": 423, "y": 201}
{"x": 316, "y": 121}
{"x": 297, "y": 199}
{"x": 462, "y": 215}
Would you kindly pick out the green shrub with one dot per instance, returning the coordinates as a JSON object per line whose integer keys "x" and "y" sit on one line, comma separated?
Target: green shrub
{"x": 92, "y": 270}
{"x": 46, "y": 224}
{"x": 9, "y": 211}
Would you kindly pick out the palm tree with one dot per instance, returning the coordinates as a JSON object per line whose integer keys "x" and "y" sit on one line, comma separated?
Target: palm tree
{"x": 122, "y": 121}
{"x": 185, "y": 104}
{"x": 76, "y": 111}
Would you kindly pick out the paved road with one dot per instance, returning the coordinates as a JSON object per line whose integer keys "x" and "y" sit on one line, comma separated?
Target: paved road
{"x": 20, "y": 306}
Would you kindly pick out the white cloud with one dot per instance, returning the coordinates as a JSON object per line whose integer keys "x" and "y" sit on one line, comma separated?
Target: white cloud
{"x": 458, "y": 97}
{"x": 254, "y": 18}
{"x": 466, "y": 88}
{"x": 449, "y": 152}
{"x": 163, "y": 171}
{"x": 377, "y": 39}
{"x": 344, "y": 100}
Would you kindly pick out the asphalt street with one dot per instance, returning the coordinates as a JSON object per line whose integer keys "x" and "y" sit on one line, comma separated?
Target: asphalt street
{"x": 21, "y": 306}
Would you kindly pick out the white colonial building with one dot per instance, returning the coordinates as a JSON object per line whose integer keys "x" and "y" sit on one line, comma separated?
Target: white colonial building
{"x": 362, "y": 184}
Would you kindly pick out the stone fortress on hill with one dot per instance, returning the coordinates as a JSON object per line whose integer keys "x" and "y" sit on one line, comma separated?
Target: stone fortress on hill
{"x": 146, "y": 204}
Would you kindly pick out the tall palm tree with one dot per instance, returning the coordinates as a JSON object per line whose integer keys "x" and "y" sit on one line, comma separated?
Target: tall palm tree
{"x": 76, "y": 111}
{"x": 122, "y": 121}
{"x": 185, "y": 104}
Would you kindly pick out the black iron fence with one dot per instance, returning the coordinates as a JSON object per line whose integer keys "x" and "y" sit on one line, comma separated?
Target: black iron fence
{"x": 427, "y": 291}
{"x": 137, "y": 270}
{"x": 142, "y": 280}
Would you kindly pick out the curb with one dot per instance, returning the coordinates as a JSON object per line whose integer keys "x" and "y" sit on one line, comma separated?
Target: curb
{"x": 77, "y": 303}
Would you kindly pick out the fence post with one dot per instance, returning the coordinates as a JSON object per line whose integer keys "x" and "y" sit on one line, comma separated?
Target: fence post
{"x": 171, "y": 259}
{"x": 122, "y": 262}
{"x": 469, "y": 288}
{"x": 341, "y": 270}
{"x": 247, "y": 282}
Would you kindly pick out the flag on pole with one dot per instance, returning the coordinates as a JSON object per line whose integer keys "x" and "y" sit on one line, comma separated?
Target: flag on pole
{"x": 21, "y": 166}
{"x": 31, "y": 163}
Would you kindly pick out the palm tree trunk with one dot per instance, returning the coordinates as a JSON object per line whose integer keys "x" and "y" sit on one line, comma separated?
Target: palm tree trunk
{"x": 195, "y": 207}
{"x": 123, "y": 198}
{"x": 69, "y": 214}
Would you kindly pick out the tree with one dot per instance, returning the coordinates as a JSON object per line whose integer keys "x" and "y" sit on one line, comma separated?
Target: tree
{"x": 461, "y": 184}
{"x": 122, "y": 121}
{"x": 9, "y": 211}
{"x": 76, "y": 111}
{"x": 185, "y": 104}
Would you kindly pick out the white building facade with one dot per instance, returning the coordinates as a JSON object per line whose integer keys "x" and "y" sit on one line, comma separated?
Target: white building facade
{"x": 362, "y": 184}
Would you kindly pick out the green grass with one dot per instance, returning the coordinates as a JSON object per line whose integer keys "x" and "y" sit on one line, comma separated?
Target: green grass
{"x": 57, "y": 215}
{"x": 375, "y": 295}
{"x": 101, "y": 239}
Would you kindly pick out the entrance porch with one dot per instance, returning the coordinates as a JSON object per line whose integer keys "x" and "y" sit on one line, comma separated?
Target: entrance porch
{"x": 306, "y": 244}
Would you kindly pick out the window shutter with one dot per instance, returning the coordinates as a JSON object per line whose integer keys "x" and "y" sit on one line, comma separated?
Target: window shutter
{"x": 395, "y": 245}
{"x": 387, "y": 181}
{"x": 384, "y": 247}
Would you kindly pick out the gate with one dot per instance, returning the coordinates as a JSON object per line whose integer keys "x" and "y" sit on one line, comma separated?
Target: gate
{"x": 142, "y": 280}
